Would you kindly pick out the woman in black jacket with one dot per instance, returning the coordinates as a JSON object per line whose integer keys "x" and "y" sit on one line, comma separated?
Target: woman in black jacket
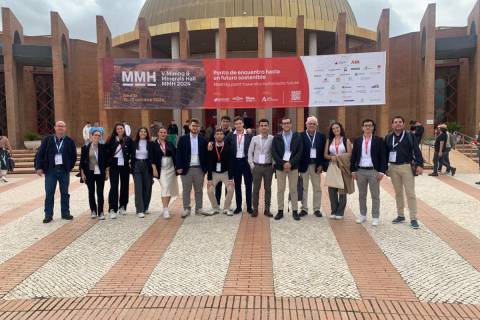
{"x": 93, "y": 170}
{"x": 162, "y": 158}
{"x": 119, "y": 146}
{"x": 142, "y": 171}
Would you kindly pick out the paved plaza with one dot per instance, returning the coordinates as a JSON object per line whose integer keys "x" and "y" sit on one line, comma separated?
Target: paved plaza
{"x": 239, "y": 267}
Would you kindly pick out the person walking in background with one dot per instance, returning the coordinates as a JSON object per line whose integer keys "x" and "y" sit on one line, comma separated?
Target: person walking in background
{"x": 186, "y": 127}
{"x": 239, "y": 141}
{"x": 450, "y": 144}
{"x": 368, "y": 166}
{"x": 5, "y": 154}
{"x": 86, "y": 133}
{"x": 220, "y": 169}
{"x": 287, "y": 150}
{"x": 94, "y": 170}
{"x": 439, "y": 152}
{"x": 261, "y": 163}
{"x": 119, "y": 148}
{"x": 405, "y": 161}
{"x": 128, "y": 129}
{"x": 172, "y": 132}
{"x": 337, "y": 149}
{"x": 142, "y": 171}
{"x": 162, "y": 158}
{"x": 311, "y": 166}
{"x": 191, "y": 166}
{"x": 56, "y": 158}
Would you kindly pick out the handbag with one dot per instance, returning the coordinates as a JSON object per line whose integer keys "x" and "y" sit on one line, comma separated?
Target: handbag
{"x": 334, "y": 178}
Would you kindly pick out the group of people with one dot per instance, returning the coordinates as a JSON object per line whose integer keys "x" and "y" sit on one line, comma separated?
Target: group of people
{"x": 444, "y": 142}
{"x": 232, "y": 158}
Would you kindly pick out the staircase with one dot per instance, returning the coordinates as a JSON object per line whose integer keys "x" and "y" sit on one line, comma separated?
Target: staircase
{"x": 24, "y": 161}
{"x": 469, "y": 150}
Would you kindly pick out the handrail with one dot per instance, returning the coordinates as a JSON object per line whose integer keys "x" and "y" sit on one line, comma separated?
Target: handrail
{"x": 462, "y": 138}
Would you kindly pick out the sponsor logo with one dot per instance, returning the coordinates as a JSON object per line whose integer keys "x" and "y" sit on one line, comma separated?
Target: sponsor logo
{"x": 269, "y": 99}
{"x": 375, "y": 86}
{"x": 356, "y": 68}
{"x": 349, "y": 100}
{"x": 250, "y": 99}
{"x": 346, "y": 87}
{"x": 296, "y": 95}
{"x": 237, "y": 99}
{"x": 355, "y": 62}
{"x": 221, "y": 100}
{"x": 139, "y": 79}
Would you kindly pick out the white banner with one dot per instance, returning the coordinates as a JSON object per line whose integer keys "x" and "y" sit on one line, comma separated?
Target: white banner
{"x": 346, "y": 79}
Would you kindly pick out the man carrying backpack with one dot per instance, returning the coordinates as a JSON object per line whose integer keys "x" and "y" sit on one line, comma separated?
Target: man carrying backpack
{"x": 405, "y": 161}
{"x": 448, "y": 147}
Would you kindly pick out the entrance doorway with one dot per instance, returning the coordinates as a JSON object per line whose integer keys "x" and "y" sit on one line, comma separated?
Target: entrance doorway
{"x": 45, "y": 103}
{"x": 446, "y": 93}
{"x": 3, "y": 105}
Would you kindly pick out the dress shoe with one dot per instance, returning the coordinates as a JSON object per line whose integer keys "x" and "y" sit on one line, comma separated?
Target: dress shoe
{"x": 255, "y": 212}
{"x": 433, "y": 174}
{"x": 267, "y": 212}
{"x": 318, "y": 214}
{"x": 478, "y": 182}
{"x": 279, "y": 215}
{"x": 237, "y": 211}
{"x": 47, "y": 220}
{"x": 303, "y": 213}
{"x": 69, "y": 217}
{"x": 296, "y": 216}
{"x": 250, "y": 210}
{"x": 453, "y": 171}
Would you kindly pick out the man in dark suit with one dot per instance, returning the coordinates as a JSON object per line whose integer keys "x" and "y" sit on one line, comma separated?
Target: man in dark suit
{"x": 239, "y": 142}
{"x": 368, "y": 166}
{"x": 191, "y": 166}
{"x": 287, "y": 151}
{"x": 311, "y": 165}
{"x": 56, "y": 158}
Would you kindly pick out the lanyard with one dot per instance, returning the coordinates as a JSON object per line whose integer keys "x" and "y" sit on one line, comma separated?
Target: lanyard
{"x": 393, "y": 140}
{"x": 164, "y": 147}
{"x": 337, "y": 145}
{"x": 219, "y": 153}
{"x": 367, "y": 140}
{"x": 239, "y": 141}
{"x": 59, "y": 147}
{"x": 312, "y": 141}
{"x": 287, "y": 145}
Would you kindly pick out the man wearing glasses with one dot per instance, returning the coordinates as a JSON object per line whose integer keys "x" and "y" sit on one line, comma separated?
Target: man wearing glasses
{"x": 287, "y": 150}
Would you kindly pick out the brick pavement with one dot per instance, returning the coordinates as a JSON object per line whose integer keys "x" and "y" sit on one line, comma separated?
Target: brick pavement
{"x": 18, "y": 183}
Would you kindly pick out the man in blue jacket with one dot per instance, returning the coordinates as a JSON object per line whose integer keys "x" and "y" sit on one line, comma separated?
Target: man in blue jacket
{"x": 56, "y": 158}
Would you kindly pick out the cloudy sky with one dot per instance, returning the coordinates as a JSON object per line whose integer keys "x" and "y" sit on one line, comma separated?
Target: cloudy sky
{"x": 121, "y": 15}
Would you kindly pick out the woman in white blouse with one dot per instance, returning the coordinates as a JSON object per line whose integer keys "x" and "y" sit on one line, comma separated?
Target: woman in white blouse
{"x": 142, "y": 171}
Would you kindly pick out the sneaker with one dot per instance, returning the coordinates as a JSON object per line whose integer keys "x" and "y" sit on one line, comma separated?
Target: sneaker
{"x": 166, "y": 214}
{"x": 228, "y": 212}
{"x": 375, "y": 222}
{"x": 332, "y": 216}
{"x": 113, "y": 214}
{"x": 453, "y": 171}
{"x": 141, "y": 215}
{"x": 361, "y": 219}
{"x": 398, "y": 220}
{"x": 215, "y": 211}
{"x": 303, "y": 213}
{"x": 4, "y": 180}
{"x": 296, "y": 216}
{"x": 202, "y": 212}
{"x": 318, "y": 214}
{"x": 93, "y": 214}
{"x": 147, "y": 212}
{"x": 101, "y": 216}
{"x": 186, "y": 213}
{"x": 338, "y": 217}
{"x": 433, "y": 174}
{"x": 414, "y": 224}
{"x": 122, "y": 211}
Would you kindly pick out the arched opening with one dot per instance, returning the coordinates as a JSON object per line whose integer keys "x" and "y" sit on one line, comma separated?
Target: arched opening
{"x": 16, "y": 38}
{"x": 64, "y": 50}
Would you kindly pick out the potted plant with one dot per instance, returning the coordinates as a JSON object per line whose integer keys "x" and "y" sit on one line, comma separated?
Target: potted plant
{"x": 32, "y": 140}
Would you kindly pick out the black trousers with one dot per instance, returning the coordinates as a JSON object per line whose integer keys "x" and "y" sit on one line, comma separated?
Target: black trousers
{"x": 242, "y": 168}
{"x": 118, "y": 174}
{"x": 98, "y": 181}
{"x": 218, "y": 192}
{"x": 439, "y": 161}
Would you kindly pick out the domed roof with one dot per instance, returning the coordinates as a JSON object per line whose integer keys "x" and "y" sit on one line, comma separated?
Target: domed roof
{"x": 158, "y": 12}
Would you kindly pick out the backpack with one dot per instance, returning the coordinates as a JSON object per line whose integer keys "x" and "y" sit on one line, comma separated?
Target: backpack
{"x": 452, "y": 140}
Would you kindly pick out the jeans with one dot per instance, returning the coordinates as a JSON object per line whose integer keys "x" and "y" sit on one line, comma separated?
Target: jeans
{"x": 62, "y": 176}
{"x": 438, "y": 162}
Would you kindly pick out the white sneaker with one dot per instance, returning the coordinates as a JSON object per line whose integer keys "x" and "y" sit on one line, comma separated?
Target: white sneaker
{"x": 202, "y": 212}
{"x": 93, "y": 214}
{"x": 361, "y": 219}
{"x": 113, "y": 214}
{"x": 228, "y": 212}
{"x": 101, "y": 216}
{"x": 375, "y": 222}
{"x": 338, "y": 217}
{"x": 333, "y": 216}
{"x": 141, "y": 215}
{"x": 4, "y": 180}
{"x": 166, "y": 214}
{"x": 186, "y": 213}
{"x": 215, "y": 211}
{"x": 122, "y": 211}
{"x": 147, "y": 212}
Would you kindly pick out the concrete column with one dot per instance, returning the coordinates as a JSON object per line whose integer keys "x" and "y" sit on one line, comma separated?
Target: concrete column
{"x": 221, "y": 53}
{"x": 104, "y": 50}
{"x": 184, "y": 53}
{"x": 341, "y": 47}
{"x": 473, "y": 105}
{"x": 144, "y": 52}
{"x": 383, "y": 44}
{"x": 177, "y": 113}
{"x": 312, "y": 51}
{"x": 260, "y": 112}
{"x": 12, "y": 32}
{"x": 268, "y": 50}
{"x": 426, "y": 58}
{"x": 300, "y": 38}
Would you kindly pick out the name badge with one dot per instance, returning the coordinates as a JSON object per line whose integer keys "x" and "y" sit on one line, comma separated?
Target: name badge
{"x": 58, "y": 159}
{"x": 219, "y": 167}
{"x": 120, "y": 162}
{"x": 313, "y": 153}
{"x": 286, "y": 156}
{"x": 262, "y": 159}
{"x": 96, "y": 170}
{"x": 392, "y": 157}
{"x": 194, "y": 159}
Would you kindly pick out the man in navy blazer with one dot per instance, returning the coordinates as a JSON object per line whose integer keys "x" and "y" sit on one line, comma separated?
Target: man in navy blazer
{"x": 368, "y": 165}
{"x": 311, "y": 165}
{"x": 239, "y": 142}
{"x": 56, "y": 158}
{"x": 191, "y": 160}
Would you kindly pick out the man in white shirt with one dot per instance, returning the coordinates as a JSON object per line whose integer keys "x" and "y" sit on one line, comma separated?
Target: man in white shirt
{"x": 260, "y": 160}
{"x": 368, "y": 166}
{"x": 128, "y": 130}
{"x": 86, "y": 133}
